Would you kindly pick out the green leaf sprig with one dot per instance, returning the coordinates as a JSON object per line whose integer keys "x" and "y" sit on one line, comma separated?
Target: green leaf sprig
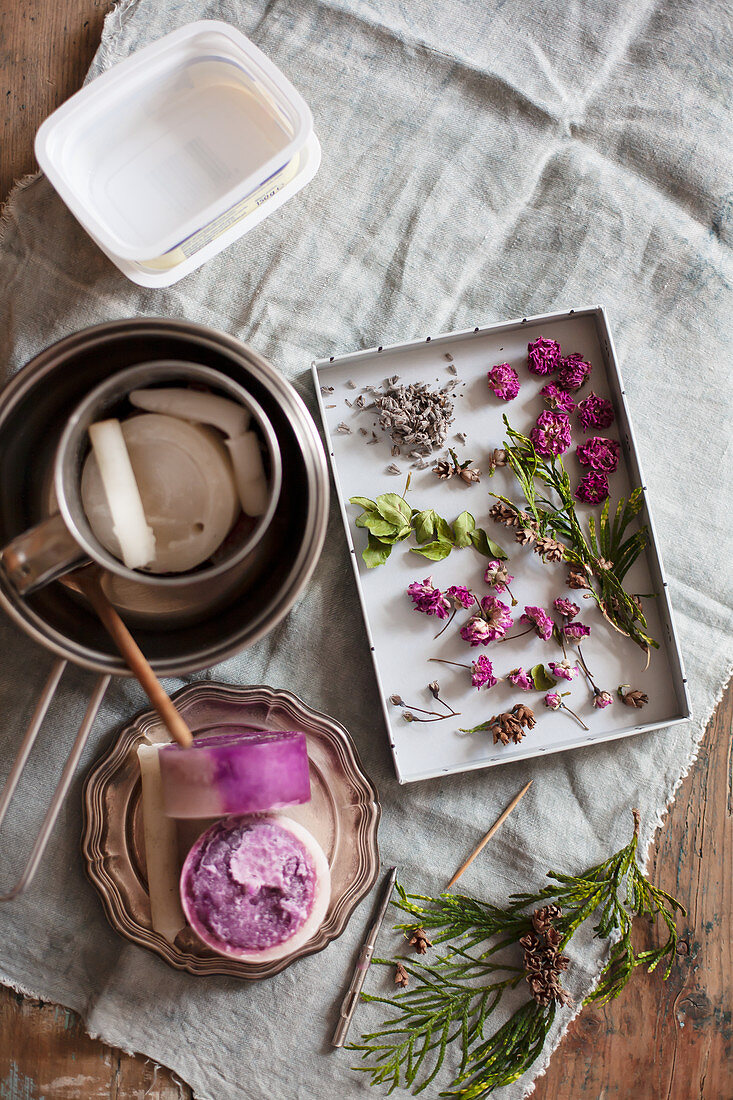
{"x": 603, "y": 556}
{"x": 389, "y": 519}
{"x": 453, "y": 996}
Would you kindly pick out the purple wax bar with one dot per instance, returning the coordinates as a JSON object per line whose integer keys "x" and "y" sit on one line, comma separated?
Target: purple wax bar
{"x": 242, "y": 772}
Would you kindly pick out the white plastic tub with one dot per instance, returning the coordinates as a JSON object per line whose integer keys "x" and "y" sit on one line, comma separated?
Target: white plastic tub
{"x": 179, "y": 150}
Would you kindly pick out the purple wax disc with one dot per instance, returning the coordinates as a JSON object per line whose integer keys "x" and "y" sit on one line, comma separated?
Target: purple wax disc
{"x": 255, "y": 887}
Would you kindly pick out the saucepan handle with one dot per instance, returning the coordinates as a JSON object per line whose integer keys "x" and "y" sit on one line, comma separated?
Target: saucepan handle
{"x": 66, "y": 776}
{"x": 40, "y": 555}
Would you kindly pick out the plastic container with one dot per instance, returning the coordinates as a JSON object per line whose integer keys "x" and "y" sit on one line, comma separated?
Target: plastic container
{"x": 179, "y": 150}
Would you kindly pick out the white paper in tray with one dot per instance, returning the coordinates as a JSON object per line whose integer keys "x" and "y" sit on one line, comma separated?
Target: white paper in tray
{"x": 402, "y": 640}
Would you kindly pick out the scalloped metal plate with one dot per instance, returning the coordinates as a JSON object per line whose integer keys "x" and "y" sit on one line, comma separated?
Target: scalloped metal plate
{"x": 343, "y": 815}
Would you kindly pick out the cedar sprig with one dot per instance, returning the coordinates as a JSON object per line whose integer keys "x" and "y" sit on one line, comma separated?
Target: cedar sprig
{"x": 604, "y": 556}
{"x": 451, "y": 998}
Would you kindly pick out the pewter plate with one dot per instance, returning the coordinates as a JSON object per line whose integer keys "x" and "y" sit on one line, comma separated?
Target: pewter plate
{"x": 402, "y": 642}
{"x": 343, "y": 815}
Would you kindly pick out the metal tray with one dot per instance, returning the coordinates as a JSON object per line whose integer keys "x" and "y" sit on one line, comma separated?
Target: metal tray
{"x": 401, "y": 641}
{"x": 343, "y": 815}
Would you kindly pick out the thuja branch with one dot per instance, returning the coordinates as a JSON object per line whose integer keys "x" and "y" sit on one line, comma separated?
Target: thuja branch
{"x": 482, "y": 950}
{"x": 598, "y": 560}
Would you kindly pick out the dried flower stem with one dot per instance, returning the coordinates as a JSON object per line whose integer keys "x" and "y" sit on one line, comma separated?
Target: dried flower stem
{"x": 577, "y": 718}
{"x": 444, "y": 628}
{"x": 442, "y": 661}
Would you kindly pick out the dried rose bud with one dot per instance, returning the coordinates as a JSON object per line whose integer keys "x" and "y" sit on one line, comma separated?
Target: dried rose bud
{"x": 397, "y": 701}
{"x": 434, "y": 689}
{"x": 602, "y": 699}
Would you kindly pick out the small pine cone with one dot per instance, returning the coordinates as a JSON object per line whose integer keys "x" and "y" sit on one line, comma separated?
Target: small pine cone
{"x": 502, "y": 513}
{"x": 577, "y": 578}
{"x": 529, "y": 941}
{"x": 525, "y": 536}
{"x": 471, "y": 475}
{"x": 444, "y": 470}
{"x": 533, "y": 963}
{"x": 635, "y": 698}
{"x": 539, "y": 990}
{"x": 550, "y": 549}
{"x": 552, "y": 937}
{"x": 499, "y": 733}
{"x": 562, "y": 996}
{"x": 401, "y": 976}
{"x": 561, "y": 962}
{"x": 524, "y": 715}
{"x": 512, "y": 725}
{"x": 420, "y": 941}
{"x": 542, "y": 918}
{"x": 497, "y": 458}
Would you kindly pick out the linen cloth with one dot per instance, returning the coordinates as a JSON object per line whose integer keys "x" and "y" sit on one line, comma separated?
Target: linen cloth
{"x": 482, "y": 159}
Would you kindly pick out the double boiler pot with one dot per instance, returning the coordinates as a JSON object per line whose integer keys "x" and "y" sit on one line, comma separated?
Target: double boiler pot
{"x": 180, "y": 628}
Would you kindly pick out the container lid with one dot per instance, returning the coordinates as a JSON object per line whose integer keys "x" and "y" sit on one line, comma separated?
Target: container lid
{"x": 170, "y": 138}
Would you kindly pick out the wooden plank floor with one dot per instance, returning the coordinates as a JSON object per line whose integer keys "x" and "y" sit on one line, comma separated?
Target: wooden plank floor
{"x": 657, "y": 1042}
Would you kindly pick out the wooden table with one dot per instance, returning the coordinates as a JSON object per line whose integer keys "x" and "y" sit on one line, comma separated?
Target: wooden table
{"x": 657, "y": 1042}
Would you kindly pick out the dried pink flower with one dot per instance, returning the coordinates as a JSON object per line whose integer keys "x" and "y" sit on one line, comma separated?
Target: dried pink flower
{"x": 595, "y": 412}
{"x": 551, "y": 436}
{"x": 599, "y": 453}
{"x": 575, "y": 631}
{"x": 497, "y": 615}
{"x": 543, "y": 356}
{"x": 497, "y": 576}
{"x": 592, "y": 488}
{"x": 573, "y": 372}
{"x": 521, "y": 679}
{"x": 536, "y": 617}
{"x": 482, "y": 673}
{"x": 566, "y": 608}
{"x": 476, "y": 631}
{"x": 557, "y": 399}
{"x": 553, "y": 700}
{"x": 602, "y": 699}
{"x": 563, "y": 670}
{"x": 459, "y": 596}
{"x": 428, "y": 599}
{"x": 504, "y": 381}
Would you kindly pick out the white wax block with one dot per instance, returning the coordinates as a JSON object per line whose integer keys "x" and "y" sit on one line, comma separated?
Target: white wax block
{"x": 161, "y": 849}
{"x": 249, "y": 473}
{"x": 186, "y": 485}
{"x": 203, "y": 408}
{"x": 135, "y": 537}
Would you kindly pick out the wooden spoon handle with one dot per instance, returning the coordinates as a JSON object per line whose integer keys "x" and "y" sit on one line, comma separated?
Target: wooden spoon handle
{"x": 135, "y": 659}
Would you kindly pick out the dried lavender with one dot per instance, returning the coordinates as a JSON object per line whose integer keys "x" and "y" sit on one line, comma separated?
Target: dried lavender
{"x": 415, "y": 414}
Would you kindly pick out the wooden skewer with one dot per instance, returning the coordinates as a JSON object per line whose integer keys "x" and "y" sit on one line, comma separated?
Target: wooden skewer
{"x": 87, "y": 581}
{"x": 499, "y": 821}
